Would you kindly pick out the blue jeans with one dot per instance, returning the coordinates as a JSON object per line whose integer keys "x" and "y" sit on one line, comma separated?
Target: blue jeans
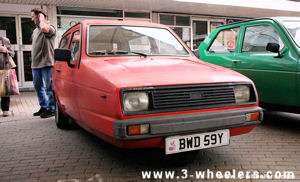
{"x": 43, "y": 87}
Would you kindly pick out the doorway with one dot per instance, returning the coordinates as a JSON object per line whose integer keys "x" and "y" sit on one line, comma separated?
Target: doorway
{"x": 19, "y": 29}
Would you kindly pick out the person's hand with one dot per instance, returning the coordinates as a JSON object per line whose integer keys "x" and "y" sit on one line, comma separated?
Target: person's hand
{"x": 43, "y": 24}
{"x": 41, "y": 17}
{"x": 3, "y": 49}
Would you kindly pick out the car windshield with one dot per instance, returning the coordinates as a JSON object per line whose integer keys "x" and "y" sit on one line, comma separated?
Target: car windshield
{"x": 132, "y": 40}
{"x": 293, "y": 27}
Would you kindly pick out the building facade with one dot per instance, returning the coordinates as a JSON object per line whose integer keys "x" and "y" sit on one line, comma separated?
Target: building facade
{"x": 192, "y": 20}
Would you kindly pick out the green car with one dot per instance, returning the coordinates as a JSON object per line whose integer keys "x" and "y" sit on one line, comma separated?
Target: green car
{"x": 267, "y": 50}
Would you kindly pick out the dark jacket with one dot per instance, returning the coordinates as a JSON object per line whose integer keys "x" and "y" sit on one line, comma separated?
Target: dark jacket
{"x": 42, "y": 53}
{"x": 4, "y": 62}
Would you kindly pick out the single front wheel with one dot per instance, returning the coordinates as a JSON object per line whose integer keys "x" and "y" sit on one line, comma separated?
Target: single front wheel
{"x": 62, "y": 121}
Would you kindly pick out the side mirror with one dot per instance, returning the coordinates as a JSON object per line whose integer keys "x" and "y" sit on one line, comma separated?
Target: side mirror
{"x": 274, "y": 47}
{"x": 62, "y": 54}
{"x": 196, "y": 52}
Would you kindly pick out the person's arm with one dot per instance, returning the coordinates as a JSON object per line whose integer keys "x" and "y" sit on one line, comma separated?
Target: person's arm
{"x": 10, "y": 50}
{"x": 45, "y": 27}
{"x": 7, "y": 48}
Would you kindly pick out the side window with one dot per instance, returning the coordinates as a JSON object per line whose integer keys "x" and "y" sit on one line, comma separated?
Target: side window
{"x": 64, "y": 41}
{"x": 257, "y": 37}
{"x": 74, "y": 47}
{"x": 225, "y": 42}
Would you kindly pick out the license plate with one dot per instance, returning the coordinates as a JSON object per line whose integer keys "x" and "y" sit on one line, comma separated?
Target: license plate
{"x": 183, "y": 143}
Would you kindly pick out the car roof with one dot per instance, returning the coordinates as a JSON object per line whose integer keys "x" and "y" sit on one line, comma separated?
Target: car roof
{"x": 88, "y": 22}
{"x": 278, "y": 19}
{"x": 122, "y": 22}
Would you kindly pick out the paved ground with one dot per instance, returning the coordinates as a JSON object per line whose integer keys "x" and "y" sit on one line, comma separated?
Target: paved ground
{"x": 33, "y": 149}
{"x": 22, "y": 106}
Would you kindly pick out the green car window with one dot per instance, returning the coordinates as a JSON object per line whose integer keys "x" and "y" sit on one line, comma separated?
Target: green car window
{"x": 225, "y": 42}
{"x": 257, "y": 38}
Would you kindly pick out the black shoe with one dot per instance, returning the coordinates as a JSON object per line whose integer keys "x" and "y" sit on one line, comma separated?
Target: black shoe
{"x": 47, "y": 114}
{"x": 42, "y": 110}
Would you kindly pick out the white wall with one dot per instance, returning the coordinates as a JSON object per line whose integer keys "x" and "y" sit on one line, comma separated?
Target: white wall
{"x": 16, "y": 9}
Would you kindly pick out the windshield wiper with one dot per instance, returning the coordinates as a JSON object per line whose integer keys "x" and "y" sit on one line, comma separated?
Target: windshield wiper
{"x": 103, "y": 52}
{"x": 127, "y": 52}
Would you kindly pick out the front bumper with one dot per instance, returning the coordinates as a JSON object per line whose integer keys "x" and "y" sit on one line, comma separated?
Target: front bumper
{"x": 186, "y": 123}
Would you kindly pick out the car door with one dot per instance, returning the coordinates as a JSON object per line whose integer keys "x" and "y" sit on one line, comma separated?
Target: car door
{"x": 59, "y": 75}
{"x": 72, "y": 71}
{"x": 220, "y": 47}
{"x": 275, "y": 78}
{"x": 66, "y": 86}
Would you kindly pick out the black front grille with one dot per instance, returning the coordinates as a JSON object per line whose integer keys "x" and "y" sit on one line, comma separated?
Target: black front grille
{"x": 192, "y": 97}
{"x": 189, "y": 97}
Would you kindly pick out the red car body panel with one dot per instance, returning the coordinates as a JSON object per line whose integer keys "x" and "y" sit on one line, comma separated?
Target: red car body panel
{"x": 90, "y": 91}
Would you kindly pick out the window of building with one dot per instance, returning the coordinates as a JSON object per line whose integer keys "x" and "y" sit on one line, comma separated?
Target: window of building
{"x": 167, "y": 19}
{"x": 199, "y": 32}
{"x": 89, "y": 12}
{"x": 182, "y": 21}
{"x": 8, "y": 28}
{"x": 174, "y": 20}
{"x": 129, "y": 14}
{"x": 180, "y": 25}
{"x": 215, "y": 24}
{"x": 27, "y": 29}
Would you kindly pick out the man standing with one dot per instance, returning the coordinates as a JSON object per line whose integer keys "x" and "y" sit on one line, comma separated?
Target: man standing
{"x": 43, "y": 39}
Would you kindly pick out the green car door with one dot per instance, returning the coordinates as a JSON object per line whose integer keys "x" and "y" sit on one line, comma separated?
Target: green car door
{"x": 273, "y": 75}
{"x": 220, "y": 47}
{"x": 246, "y": 48}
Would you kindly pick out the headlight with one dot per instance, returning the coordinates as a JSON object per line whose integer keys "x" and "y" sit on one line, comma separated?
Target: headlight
{"x": 242, "y": 93}
{"x": 135, "y": 101}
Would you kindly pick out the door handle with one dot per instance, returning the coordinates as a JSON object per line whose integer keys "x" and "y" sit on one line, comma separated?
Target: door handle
{"x": 236, "y": 61}
{"x": 58, "y": 70}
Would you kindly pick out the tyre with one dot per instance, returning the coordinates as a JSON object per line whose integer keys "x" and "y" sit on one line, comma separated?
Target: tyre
{"x": 182, "y": 159}
{"x": 62, "y": 121}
